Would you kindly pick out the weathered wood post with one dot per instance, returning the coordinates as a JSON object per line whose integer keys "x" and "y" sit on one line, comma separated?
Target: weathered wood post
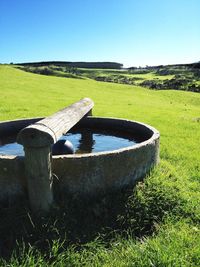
{"x": 37, "y": 140}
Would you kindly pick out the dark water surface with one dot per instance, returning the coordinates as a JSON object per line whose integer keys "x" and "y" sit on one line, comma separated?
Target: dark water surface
{"x": 84, "y": 141}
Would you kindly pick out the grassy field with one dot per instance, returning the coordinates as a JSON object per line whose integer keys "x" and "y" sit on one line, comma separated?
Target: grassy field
{"x": 177, "y": 77}
{"x": 85, "y": 73}
{"x": 156, "y": 224}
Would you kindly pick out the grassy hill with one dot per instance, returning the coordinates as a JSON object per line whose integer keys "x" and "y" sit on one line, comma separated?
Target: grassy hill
{"x": 179, "y": 77}
{"x": 157, "y": 224}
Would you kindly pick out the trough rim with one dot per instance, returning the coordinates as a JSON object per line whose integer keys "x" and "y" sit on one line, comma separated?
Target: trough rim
{"x": 155, "y": 136}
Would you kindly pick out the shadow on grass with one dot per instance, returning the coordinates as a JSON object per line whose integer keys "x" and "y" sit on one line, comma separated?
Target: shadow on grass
{"x": 134, "y": 212}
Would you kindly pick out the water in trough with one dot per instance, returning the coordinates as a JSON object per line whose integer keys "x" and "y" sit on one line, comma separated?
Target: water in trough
{"x": 83, "y": 141}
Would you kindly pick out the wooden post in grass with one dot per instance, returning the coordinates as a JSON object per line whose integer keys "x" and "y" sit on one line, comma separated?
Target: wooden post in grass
{"x": 37, "y": 140}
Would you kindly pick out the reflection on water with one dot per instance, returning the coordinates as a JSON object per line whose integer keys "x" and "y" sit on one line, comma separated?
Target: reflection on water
{"x": 84, "y": 141}
{"x": 12, "y": 149}
{"x": 87, "y": 141}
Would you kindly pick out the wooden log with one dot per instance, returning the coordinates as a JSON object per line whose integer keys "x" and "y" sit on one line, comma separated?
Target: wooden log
{"x": 37, "y": 140}
{"x": 39, "y": 178}
{"x": 49, "y": 130}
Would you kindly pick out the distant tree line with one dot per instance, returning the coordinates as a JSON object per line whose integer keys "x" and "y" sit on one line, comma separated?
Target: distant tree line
{"x": 195, "y": 65}
{"x": 95, "y": 65}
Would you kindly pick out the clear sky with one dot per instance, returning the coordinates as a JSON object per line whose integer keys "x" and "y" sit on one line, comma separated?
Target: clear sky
{"x": 132, "y": 32}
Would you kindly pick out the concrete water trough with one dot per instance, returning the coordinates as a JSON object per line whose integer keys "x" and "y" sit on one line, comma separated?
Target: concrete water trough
{"x": 88, "y": 174}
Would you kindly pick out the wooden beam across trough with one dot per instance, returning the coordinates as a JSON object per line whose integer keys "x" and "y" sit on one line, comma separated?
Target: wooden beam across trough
{"x": 37, "y": 140}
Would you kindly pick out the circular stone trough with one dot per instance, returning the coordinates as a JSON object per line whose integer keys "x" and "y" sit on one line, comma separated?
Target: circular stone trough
{"x": 87, "y": 174}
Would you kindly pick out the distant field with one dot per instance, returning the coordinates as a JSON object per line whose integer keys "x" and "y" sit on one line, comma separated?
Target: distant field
{"x": 178, "y": 77}
{"x": 158, "y": 224}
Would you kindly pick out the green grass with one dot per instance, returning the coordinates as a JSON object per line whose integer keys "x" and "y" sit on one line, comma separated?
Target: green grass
{"x": 154, "y": 225}
{"x": 92, "y": 73}
{"x": 179, "y": 78}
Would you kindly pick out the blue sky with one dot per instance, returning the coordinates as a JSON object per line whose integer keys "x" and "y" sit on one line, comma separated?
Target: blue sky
{"x": 132, "y": 32}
